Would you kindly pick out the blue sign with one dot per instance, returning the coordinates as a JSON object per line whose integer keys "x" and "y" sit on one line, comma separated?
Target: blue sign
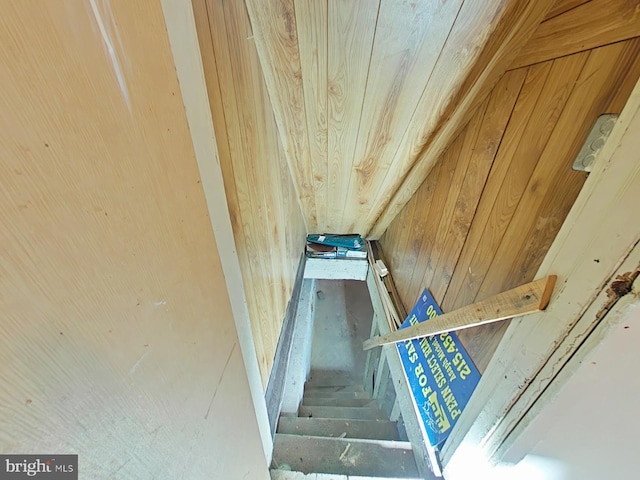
{"x": 441, "y": 375}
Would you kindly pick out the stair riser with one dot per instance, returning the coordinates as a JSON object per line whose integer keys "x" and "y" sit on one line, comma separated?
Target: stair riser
{"x": 338, "y": 402}
{"x": 333, "y": 379}
{"x": 336, "y": 428}
{"x": 347, "y": 388}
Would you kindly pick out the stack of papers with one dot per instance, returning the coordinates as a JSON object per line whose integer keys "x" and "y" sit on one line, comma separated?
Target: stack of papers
{"x": 335, "y": 246}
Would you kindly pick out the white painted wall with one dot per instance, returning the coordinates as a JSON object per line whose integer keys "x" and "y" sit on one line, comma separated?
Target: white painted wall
{"x": 590, "y": 431}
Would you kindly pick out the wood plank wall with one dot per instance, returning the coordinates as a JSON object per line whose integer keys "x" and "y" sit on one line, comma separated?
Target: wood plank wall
{"x": 362, "y": 88}
{"x": 267, "y": 221}
{"x": 487, "y": 213}
{"x": 117, "y": 339}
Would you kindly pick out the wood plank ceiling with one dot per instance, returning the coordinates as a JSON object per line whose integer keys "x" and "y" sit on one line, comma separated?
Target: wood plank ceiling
{"x": 368, "y": 93}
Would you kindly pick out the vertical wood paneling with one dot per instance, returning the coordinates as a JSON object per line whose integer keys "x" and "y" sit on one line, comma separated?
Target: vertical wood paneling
{"x": 252, "y": 173}
{"x": 396, "y": 71}
{"x": 465, "y": 276}
{"x": 404, "y": 236}
{"x": 401, "y": 236}
{"x": 218, "y": 88}
{"x": 486, "y": 235}
{"x": 447, "y": 168}
{"x": 456, "y": 171}
{"x": 414, "y": 252}
{"x": 485, "y": 145}
{"x": 275, "y": 36}
{"x": 311, "y": 23}
{"x": 481, "y": 45}
{"x": 351, "y": 28}
{"x": 409, "y": 37}
{"x": 267, "y": 221}
{"x": 552, "y": 179}
{"x": 533, "y": 119}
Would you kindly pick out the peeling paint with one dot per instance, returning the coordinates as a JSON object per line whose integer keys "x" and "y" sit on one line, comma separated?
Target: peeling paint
{"x": 623, "y": 285}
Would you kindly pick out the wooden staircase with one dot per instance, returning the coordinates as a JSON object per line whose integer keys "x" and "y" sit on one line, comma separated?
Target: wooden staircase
{"x": 340, "y": 430}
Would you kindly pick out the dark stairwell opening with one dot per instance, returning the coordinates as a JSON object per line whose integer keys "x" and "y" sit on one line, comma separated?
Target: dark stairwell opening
{"x": 338, "y": 425}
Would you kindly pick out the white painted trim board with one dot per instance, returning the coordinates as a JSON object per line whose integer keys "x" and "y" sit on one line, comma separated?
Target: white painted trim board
{"x": 183, "y": 37}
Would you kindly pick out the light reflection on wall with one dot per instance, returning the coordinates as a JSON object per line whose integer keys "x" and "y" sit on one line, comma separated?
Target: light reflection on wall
{"x": 532, "y": 467}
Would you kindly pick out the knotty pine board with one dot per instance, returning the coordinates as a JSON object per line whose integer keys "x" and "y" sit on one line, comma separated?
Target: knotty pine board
{"x": 482, "y": 43}
{"x": 311, "y": 27}
{"x": 351, "y": 29}
{"x": 273, "y": 31}
{"x": 360, "y": 88}
{"x": 409, "y": 38}
{"x": 268, "y": 225}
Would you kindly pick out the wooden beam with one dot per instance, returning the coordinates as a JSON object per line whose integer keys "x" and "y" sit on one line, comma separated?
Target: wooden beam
{"x": 389, "y": 311}
{"x": 593, "y": 24}
{"x": 507, "y": 26}
{"x": 529, "y": 298}
{"x": 393, "y": 308}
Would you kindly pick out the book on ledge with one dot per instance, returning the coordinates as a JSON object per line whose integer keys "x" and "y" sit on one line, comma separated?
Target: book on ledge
{"x": 335, "y": 246}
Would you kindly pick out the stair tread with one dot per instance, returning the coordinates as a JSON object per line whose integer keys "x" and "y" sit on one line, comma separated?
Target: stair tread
{"x": 336, "y": 427}
{"x": 345, "y": 456}
{"x": 333, "y": 388}
{"x": 338, "y": 402}
{"x": 291, "y": 475}
{"x": 340, "y": 394}
{"x": 355, "y": 413}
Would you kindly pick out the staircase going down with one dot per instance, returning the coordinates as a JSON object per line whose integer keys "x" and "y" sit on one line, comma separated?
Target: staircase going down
{"x": 340, "y": 430}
